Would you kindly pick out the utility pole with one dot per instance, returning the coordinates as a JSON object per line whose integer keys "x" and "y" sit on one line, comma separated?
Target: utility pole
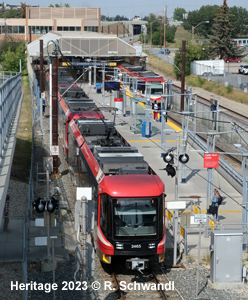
{"x": 55, "y": 110}
{"x": 41, "y": 66}
{"x": 165, "y": 20}
{"x": 161, "y": 34}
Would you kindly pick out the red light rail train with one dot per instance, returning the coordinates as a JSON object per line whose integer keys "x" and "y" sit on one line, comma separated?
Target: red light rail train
{"x": 128, "y": 195}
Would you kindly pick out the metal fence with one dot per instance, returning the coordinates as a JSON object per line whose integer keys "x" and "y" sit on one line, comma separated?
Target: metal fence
{"x": 24, "y": 261}
{"x": 164, "y": 57}
{"x": 202, "y": 118}
{"x": 10, "y": 94}
{"x": 236, "y": 81}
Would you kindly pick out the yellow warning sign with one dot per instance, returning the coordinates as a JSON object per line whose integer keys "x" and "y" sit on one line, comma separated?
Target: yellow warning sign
{"x": 211, "y": 223}
{"x": 196, "y": 209}
{"x": 182, "y": 231}
{"x": 168, "y": 214}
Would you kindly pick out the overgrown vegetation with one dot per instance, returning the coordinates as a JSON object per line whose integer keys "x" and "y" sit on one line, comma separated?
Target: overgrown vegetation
{"x": 11, "y": 52}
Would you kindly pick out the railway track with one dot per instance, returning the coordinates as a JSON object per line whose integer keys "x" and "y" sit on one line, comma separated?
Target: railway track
{"x": 239, "y": 118}
{"x": 118, "y": 283}
{"x": 232, "y": 112}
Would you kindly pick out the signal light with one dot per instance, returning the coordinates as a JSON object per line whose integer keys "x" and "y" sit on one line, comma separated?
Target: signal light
{"x": 183, "y": 158}
{"x": 40, "y": 204}
{"x": 52, "y": 205}
{"x": 170, "y": 170}
{"x": 168, "y": 157}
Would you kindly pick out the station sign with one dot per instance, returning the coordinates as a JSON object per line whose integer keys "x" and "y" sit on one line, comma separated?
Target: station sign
{"x": 211, "y": 160}
{"x": 200, "y": 218}
{"x": 54, "y": 150}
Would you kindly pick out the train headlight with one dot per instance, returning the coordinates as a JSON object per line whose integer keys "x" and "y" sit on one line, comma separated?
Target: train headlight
{"x": 119, "y": 246}
{"x": 151, "y": 245}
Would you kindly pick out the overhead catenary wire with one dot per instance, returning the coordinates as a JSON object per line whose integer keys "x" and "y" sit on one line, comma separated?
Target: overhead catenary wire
{"x": 189, "y": 168}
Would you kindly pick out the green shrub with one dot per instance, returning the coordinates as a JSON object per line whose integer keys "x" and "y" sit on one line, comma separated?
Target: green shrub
{"x": 200, "y": 80}
{"x": 229, "y": 89}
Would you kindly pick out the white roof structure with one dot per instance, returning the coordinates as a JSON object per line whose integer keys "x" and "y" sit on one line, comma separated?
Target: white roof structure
{"x": 82, "y": 44}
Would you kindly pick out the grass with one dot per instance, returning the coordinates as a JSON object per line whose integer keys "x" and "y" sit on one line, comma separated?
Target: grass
{"x": 22, "y": 157}
{"x": 190, "y": 259}
{"x": 228, "y": 92}
{"x": 206, "y": 258}
{"x": 161, "y": 65}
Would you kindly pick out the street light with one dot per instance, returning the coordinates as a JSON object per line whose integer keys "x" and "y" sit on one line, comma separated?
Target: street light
{"x": 193, "y": 29}
{"x": 151, "y": 28}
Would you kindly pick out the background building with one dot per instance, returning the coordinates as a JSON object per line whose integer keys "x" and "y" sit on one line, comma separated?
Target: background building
{"x": 41, "y": 20}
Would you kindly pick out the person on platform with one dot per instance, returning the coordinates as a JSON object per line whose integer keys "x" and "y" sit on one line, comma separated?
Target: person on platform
{"x": 155, "y": 112}
{"x": 215, "y": 204}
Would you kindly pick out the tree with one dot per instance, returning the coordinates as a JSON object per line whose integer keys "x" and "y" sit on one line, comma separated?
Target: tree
{"x": 10, "y": 60}
{"x": 205, "y": 13}
{"x": 221, "y": 40}
{"x": 193, "y": 52}
{"x": 11, "y": 51}
{"x": 178, "y": 14}
{"x": 239, "y": 21}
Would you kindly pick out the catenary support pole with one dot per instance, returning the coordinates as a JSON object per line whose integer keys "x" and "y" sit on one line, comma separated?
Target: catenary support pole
{"x": 183, "y": 74}
{"x": 55, "y": 110}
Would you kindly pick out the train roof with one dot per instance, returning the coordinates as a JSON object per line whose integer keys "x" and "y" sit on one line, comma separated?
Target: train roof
{"x": 140, "y": 185}
{"x": 86, "y": 114}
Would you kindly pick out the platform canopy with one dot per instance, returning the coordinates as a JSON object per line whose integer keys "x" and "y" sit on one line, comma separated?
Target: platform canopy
{"x": 82, "y": 44}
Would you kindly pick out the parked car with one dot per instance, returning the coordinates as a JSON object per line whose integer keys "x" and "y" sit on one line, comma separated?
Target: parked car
{"x": 167, "y": 51}
{"x": 237, "y": 60}
{"x": 244, "y": 69}
{"x": 241, "y": 69}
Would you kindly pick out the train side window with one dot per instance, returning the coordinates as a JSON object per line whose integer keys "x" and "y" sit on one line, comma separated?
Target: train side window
{"x": 103, "y": 216}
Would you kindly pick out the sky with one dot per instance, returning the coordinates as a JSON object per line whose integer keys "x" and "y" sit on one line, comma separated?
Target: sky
{"x": 131, "y": 8}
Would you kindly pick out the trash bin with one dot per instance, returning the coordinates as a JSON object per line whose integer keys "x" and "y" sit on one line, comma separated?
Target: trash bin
{"x": 98, "y": 88}
{"x": 144, "y": 130}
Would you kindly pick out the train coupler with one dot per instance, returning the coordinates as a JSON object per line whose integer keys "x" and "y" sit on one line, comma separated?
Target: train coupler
{"x": 139, "y": 264}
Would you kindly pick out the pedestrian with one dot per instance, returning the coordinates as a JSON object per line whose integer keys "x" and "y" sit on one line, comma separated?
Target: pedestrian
{"x": 215, "y": 204}
{"x": 155, "y": 112}
{"x": 6, "y": 214}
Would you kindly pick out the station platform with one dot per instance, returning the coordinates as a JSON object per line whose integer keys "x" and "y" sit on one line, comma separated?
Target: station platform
{"x": 192, "y": 191}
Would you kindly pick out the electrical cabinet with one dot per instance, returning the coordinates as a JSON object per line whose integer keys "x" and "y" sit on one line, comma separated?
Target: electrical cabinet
{"x": 226, "y": 256}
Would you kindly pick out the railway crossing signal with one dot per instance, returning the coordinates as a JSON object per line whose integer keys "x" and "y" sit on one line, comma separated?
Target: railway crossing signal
{"x": 169, "y": 158}
{"x": 170, "y": 170}
{"x": 183, "y": 158}
{"x": 50, "y": 204}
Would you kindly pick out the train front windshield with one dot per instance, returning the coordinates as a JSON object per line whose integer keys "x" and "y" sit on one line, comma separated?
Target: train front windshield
{"x": 135, "y": 217}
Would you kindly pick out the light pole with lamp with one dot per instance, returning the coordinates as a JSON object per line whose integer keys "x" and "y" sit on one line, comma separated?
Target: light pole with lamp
{"x": 151, "y": 28}
{"x": 193, "y": 29}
